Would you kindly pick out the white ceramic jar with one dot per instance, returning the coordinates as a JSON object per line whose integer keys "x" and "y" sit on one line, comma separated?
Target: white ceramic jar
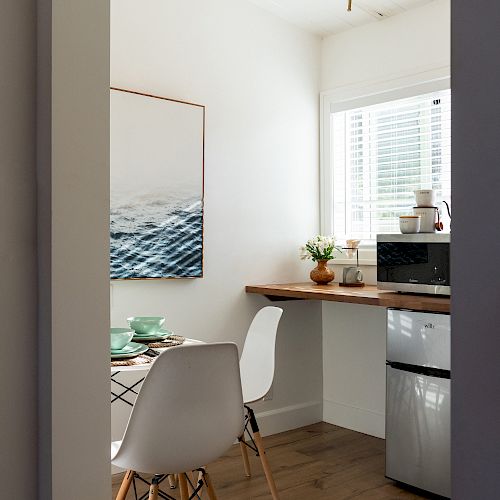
{"x": 409, "y": 224}
{"x": 427, "y": 218}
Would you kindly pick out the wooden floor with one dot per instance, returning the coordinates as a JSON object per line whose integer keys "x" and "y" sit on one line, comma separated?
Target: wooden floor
{"x": 320, "y": 461}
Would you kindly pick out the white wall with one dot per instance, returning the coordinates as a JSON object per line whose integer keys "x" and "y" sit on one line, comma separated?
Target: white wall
{"x": 259, "y": 79}
{"x": 399, "y": 47}
{"x": 18, "y": 301}
{"x": 413, "y": 42}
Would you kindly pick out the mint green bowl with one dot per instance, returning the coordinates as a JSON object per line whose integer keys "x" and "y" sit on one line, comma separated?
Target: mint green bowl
{"x": 146, "y": 325}
{"x": 120, "y": 337}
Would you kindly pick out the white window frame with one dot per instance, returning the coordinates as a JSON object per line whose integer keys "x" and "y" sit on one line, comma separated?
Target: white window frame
{"x": 355, "y": 96}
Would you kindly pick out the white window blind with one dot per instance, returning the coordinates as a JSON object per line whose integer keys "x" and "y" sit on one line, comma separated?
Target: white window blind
{"x": 381, "y": 154}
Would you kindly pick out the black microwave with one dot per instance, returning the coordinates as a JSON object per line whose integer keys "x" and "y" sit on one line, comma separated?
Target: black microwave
{"x": 414, "y": 263}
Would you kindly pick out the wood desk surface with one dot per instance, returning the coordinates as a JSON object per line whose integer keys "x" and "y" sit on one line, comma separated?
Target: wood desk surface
{"x": 368, "y": 295}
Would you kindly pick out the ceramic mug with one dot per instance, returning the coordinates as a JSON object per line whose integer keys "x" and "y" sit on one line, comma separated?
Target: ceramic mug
{"x": 352, "y": 274}
{"x": 409, "y": 224}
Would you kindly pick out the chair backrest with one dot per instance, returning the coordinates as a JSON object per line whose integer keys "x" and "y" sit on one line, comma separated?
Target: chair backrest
{"x": 257, "y": 359}
{"x": 188, "y": 413}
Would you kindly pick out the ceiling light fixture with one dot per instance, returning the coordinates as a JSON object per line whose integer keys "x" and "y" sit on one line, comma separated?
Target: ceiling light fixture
{"x": 349, "y": 5}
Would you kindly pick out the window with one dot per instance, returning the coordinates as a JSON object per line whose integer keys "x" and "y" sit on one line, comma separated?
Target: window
{"x": 379, "y": 154}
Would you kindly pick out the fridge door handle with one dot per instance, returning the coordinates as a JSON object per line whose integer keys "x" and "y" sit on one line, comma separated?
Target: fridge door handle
{"x": 420, "y": 370}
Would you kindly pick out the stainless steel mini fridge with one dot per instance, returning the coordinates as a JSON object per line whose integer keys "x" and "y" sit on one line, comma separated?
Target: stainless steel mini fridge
{"x": 418, "y": 400}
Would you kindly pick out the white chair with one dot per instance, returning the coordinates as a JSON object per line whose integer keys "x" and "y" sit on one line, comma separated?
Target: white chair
{"x": 188, "y": 413}
{"x": 257, "y": 373}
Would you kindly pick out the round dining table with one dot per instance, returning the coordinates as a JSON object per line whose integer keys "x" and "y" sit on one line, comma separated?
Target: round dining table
{"x": 124, "y": 388}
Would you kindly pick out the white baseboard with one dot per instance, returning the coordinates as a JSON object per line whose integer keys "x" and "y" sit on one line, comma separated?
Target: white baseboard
{"x": 289, "y": 417}
{"x": 357, "y": 419}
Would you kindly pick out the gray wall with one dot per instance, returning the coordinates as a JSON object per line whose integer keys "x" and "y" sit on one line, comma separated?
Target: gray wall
{"x": 44, "y": 191}
{"x": 18, "y": 415}
{"x": 73, "y": 223}
{"x": 476, "y": 249}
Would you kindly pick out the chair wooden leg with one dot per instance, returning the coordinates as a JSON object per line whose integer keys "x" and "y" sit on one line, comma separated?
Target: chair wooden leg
{"x": 183, "y": 487}
{"x": 172, "y": 481}
{"x": 125, "y": 486}
{"x": 265, "y": 465}
{"x": 244, "y": 456}
{"x": 262, "y": 454}
{"x": 210, "y": 486}
{"x": 153, "y": 489}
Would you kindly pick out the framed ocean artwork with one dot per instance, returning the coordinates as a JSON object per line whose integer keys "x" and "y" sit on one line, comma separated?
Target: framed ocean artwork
{"x": 157, "y": 171}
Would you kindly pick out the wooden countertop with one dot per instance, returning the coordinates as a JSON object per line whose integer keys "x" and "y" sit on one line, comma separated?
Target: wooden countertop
{"x": 368, "y": 295}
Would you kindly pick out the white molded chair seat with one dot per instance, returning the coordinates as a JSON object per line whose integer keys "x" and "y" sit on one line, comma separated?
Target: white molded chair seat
{"x": 115, "y": 446}
{"x": 188, "y": 413}
{"x": 257, "y": 359}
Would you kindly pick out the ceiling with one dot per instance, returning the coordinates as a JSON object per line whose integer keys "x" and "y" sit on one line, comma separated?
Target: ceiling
{"x": 326, "y": 17}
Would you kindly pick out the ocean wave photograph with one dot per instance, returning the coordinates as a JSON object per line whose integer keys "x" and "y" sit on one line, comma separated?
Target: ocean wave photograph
{"x": 154, "y": 241}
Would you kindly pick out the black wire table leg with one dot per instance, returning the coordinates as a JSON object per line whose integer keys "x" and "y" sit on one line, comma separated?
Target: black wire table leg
{"x": 158, "y": 478}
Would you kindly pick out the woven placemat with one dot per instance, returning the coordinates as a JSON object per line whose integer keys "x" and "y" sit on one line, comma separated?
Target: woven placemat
{"x": 142, "y": 359}
{"x": 138, "y": 360}
{"x": 170, "y": 341}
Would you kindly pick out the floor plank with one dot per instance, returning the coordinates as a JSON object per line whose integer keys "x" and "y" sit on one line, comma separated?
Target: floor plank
{"x": 320, "y": 462}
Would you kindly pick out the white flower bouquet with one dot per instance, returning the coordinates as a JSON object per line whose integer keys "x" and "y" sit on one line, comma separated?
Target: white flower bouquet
{"x": 319, "y": 248}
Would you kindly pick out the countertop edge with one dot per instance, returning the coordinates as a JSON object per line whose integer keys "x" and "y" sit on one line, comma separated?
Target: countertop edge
{"x": 383, "y": 298}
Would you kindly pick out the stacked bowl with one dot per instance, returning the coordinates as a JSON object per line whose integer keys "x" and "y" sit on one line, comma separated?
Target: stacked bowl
{"x": 148, "y": 328}
{"x": 121, "y": 345}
